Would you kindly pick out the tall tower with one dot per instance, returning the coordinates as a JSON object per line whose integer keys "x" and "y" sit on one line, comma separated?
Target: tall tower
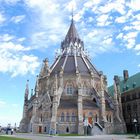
{"x": 118, "y": 119}
{"x": 24, "y": 121}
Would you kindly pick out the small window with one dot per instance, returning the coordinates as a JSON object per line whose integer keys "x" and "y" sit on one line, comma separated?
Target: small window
{"x": 135, "y": 106}
{"x": 107, "y": 118}
{"x": 73, "y": 119}
{"x": 62, "y": 117}
{"x": 67, "y": 117}
{"x": 45, "y": 129}
{"x": 128, "y": 107}
{"x": 90, "y": 114}
{"x": 69, "y": 89}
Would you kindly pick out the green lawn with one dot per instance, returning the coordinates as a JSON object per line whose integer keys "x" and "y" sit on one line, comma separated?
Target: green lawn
{"x": 69, "y": 135}
{"x": 10, "y": 138}
{"x": 134, "y": 137}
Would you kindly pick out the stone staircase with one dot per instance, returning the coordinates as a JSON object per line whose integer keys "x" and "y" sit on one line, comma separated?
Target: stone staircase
{"x": 97, "y": 129}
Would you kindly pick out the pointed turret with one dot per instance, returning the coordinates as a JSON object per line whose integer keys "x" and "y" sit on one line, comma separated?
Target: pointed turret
{"x": 36, "y": 86}
{"x": 26, "y": 91}
{"x": 72, "y": 34}
{"x": 72, "y": 40}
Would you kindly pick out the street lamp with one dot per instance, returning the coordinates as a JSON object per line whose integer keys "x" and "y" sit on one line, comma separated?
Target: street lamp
{"x": 135, "y": 124}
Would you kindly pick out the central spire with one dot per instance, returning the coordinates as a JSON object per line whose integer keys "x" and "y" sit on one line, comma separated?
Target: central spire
{"x": 72, "y": 40}
{"x": 72, "y": 32}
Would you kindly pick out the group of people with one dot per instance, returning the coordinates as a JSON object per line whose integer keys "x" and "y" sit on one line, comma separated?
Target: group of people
{"x": 9, "y": 131}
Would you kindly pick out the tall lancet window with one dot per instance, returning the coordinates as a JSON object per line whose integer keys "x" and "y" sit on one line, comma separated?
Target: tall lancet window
{"x": 84, "y": 89}
{"x": 62, "y": 117}
{"x": 69, "y": 88}
{"x": 73, "y": 119}
{"x": 67, "y": 117}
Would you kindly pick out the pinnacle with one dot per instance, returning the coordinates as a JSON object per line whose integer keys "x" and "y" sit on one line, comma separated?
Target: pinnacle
{"x": 72, "y": 32}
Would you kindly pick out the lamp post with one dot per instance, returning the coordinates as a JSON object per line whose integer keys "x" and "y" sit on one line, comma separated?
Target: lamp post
{"x": 135, "y": 124}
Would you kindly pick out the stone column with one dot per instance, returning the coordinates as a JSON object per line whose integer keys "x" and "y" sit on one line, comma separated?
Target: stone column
{"x": 102, "y": 99}
{"x": 80, "y": 112}
{"x": 35, "y": 118}
{"x": 116, "y": 102}
{"x": 54, "y": 109}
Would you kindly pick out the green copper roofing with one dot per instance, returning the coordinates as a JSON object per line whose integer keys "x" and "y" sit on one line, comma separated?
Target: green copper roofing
{"x": 130, "y": 84}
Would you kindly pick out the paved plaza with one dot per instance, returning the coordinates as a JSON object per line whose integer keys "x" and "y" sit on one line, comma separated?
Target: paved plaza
{"x": 47, "y": 137}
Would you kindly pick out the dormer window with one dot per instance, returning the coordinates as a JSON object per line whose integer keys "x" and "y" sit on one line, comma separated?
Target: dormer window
{"x": 69, "y": 89}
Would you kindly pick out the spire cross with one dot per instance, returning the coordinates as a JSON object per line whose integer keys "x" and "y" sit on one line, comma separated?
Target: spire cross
{"x": 72, "y": 13}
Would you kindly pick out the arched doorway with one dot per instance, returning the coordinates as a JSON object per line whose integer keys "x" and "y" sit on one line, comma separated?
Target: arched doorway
{"x": 67, "y": 129}
{"x": 40, "y": 129}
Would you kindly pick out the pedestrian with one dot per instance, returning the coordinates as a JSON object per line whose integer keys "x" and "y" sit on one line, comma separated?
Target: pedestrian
{"x": 12, "y": 130}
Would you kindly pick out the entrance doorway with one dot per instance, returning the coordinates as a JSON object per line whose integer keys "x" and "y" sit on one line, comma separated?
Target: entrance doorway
{"x": 40, "y": 129}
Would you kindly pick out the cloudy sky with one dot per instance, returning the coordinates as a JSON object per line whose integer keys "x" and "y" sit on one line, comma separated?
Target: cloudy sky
{"x": 31, "y": 30}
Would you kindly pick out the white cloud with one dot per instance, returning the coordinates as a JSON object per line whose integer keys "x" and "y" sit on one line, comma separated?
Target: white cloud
{"x": 137, "y": 47}
{"x": 2, "y": 103}
{"x": 10, "y": 1}
{"x": 6, "y": 37}
{"x": 13, "y": 59}
{"x": 130, "y": 43}
{"x": 2, "y": 18}
{"x": 92, "y": 34}
{"x": 107, "y": 41}
{"x": 91, "y": 3}
{"x": 127, "y": 28}
{"x": 79, "y": 15}
{"x": 129, "y": 39}
{"x": 71, "y": 5}
{"x": 130, "y": 35}
{"x": 135, "y": 5}
{"x": 121, "y": 19}
{"x": 117, "y": 5}
{"x": 17, "y": 19}
{"x": 99, "y": 41}
{"x": 102, "y": 20}
{"x": 119, "y": 36}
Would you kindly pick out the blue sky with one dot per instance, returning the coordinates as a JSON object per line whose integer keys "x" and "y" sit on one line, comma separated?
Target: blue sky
{"x": 31, "y": 30}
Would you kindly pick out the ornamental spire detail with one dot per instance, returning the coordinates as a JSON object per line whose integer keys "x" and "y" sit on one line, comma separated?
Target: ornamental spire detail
{"x": 72, "y": 43}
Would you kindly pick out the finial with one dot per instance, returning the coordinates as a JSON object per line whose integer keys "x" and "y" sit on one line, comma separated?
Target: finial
{"x": 72, "y": 14}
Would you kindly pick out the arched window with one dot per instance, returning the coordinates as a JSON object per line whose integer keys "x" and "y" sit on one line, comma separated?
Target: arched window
{"x": 67, "y": 117}
{"x": 67, "y": 130}
{"x": 84, "y": 89}
{"x": 41, "y": 118}
{"x": 107, "y": 117}
{"x": 110, "y": 119}
{"x": 73, "y": 117}
{"x": 69, "y": 89}
{"x": 62, "y": 117}
{"x": 90, "y": 114}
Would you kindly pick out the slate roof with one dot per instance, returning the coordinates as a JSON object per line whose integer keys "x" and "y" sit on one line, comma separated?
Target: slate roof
{"x": 70, "y": 67}
{"x": 67, "y": 103}
{"x": 72, "y": 32}
{"x": 72, "y": 56}
{"x": 131, "y": 83}
{"x": 89, "y": 104}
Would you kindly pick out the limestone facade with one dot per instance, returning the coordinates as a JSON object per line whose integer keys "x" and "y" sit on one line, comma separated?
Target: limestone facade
{"x": 71, "y": 95}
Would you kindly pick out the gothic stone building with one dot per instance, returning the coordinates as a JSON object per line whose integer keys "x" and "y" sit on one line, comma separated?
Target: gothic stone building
{"x": 71, "y": 95}
{"x": 130, "y": 94}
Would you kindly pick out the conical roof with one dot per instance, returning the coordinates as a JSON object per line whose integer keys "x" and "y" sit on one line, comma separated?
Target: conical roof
{"x": 73, "y": 58}
{"x": 72, "y": 33}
